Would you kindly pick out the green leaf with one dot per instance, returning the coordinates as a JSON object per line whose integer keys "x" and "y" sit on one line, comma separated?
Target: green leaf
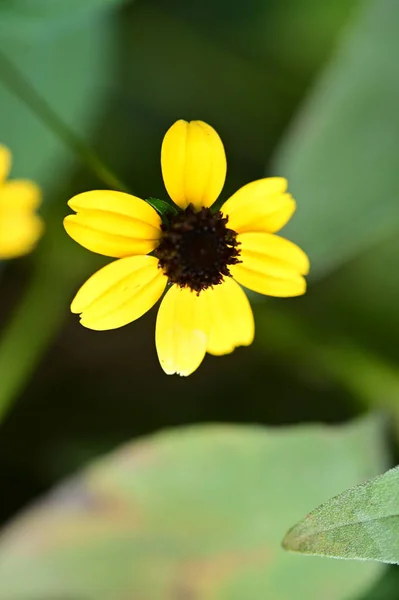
{"x": 341, "y": 155}
{"x": 194, "y": 513}
{"x": 163, "y": 207}
{"x": 361, "y": 523}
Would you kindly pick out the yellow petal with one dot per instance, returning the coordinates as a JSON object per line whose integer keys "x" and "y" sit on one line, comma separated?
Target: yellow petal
{"x": 182, "y": 331}
{"x": 119, "y": 293}
{"x": 279, "y": 251}
{"x": 19, "y": 195}
{"x": 113, "y": 223}
{"x": 193, "y": 163}
{"x": 231, "y": 318}
{"x": 260, "y": 206}
{"x": 5, "y": 163}
{"x": 270, "y": 265}
{"x": 20, "y": 228}
{"x": 19, "y": 232}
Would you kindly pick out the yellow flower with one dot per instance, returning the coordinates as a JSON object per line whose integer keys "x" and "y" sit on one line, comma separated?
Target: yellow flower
{"x": 20, "y": 227}
{"x": 199, "y": 252}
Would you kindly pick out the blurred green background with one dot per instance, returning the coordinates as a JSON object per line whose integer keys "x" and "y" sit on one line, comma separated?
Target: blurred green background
{"x": 306, "y": 89}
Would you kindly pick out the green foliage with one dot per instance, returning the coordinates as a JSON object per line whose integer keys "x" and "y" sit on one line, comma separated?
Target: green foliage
{"x": 340, "y": 161}
{"x": 163, "y": 207}
{"x": 69, "y": 72}
{"x": 386, "y": 588}
{"x": 200, "y": 513}
{"x": 197, "y": 512}
{"x": 361, "y": 523}
{"x": 340, "y": 157}
{"x": 42, "y": 18}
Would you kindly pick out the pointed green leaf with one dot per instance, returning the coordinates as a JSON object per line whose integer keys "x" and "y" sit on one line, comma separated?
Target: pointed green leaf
{"x": 361, "y": 523}
{"x": 163, "y": 207}
{"x": 194, "y": 513}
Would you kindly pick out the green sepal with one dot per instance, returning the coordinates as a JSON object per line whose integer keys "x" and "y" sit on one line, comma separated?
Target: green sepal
{"x": 164, "y": 208}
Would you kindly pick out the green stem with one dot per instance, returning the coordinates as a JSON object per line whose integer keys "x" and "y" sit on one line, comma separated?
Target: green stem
{"x": 16, "y": 82}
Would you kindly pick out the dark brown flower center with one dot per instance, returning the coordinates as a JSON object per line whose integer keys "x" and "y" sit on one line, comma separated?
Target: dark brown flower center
{"x": 196, "y": 248}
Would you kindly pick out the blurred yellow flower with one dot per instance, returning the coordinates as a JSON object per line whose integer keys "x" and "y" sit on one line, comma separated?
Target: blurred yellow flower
{"x": 201, "y": 253}
{"x": 20, "y": 226}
